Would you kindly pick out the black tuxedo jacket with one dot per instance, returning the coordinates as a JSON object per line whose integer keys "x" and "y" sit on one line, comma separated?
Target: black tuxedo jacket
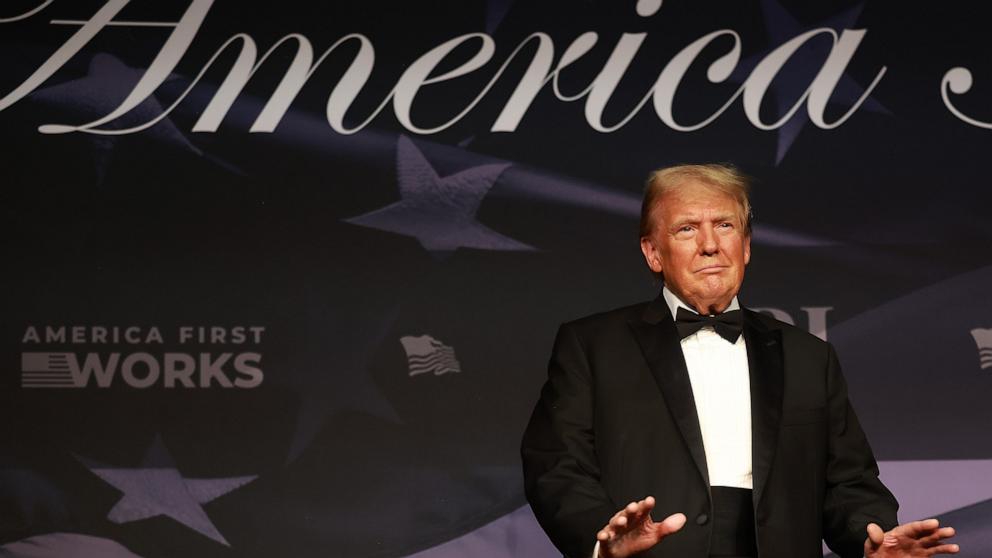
{"x": 616, "y": 422}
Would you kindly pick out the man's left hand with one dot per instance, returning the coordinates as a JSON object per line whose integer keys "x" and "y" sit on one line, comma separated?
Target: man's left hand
{"x": 910, "y": 540}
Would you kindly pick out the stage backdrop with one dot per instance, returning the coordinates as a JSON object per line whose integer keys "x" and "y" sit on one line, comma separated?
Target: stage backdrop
{"x": 282, "y": 278}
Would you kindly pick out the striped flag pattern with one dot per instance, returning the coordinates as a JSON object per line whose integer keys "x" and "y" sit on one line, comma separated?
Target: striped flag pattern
{"x": 983, "y": 338}
{"x": 424, "y": 354}
{"x": 46, "y": 370}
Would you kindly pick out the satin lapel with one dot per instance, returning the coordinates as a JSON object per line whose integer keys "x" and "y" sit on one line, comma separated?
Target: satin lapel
{"x": 659, "y": 342}
{"x": 766, "y": 369}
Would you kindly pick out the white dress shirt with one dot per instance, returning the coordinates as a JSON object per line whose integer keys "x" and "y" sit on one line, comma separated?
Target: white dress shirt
{"x": 721, "y": 388}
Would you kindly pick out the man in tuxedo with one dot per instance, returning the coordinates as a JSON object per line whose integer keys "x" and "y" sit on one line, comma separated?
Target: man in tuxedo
{"x": 734, "y": 427}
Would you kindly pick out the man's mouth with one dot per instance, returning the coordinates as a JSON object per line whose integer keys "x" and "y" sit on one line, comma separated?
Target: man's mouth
{"x": 711, "y": 269}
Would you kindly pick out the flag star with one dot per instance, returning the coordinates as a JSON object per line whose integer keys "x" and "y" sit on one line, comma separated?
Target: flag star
{"x": 157, "y": 488}
{"x": 343, "y": 383}
{"x": 789, "y": 86}
{"x": 496, "y": 10}
{"x": 439, "y": 212}
{"x": 96, "y": 95}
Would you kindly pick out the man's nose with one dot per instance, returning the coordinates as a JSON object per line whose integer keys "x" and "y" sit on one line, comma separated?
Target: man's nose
{"x": 707, "y": 241}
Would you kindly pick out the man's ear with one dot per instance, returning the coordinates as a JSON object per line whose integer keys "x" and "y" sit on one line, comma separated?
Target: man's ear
{"x": 651, "y": 255}
{"x": 747, "y": 249}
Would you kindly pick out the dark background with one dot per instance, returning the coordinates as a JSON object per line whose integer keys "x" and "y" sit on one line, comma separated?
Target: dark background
{"x": 883, "y": 219}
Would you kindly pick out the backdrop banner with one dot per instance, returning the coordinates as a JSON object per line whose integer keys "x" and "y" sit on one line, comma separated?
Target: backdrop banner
{"x": 282, "y": 278}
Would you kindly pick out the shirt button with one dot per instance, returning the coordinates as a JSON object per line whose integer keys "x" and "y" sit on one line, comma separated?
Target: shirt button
{"x": 702, "y": 518}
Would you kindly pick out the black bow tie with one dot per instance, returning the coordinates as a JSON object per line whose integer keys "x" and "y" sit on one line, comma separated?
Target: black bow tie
{"x": 728, "y": 324}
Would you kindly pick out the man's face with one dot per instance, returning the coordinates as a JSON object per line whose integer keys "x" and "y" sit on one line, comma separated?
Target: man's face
{"x": 700, "y": 246}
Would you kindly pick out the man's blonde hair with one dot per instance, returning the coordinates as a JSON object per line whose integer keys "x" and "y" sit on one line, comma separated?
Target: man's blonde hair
{"x": 723, "y": 177}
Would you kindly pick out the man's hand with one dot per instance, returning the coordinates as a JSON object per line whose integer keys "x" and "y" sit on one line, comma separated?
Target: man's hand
{"x": 910, "y": 540}
{"x": 632, "y": 530}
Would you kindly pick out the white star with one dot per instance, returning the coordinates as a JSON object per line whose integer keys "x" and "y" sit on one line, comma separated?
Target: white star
{"x": 439, "y": 212}
{"x": 98, "y": 93}
{"x": 496, "y": 10}
{"x": 329, "y": 371}
{"x": 158, "y": 488}
{"x": 789, "y": 85}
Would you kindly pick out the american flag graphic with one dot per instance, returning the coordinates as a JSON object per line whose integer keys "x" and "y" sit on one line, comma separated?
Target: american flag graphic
{"x": 425, "y": 354}
{"x": 47, "y": 370}
{"x": 983, "y": 338}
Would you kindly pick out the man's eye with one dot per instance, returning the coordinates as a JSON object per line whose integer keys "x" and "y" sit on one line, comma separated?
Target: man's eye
{"x": 726, "y": 225}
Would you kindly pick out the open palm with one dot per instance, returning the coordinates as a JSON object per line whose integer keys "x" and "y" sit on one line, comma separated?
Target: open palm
{"x": 631, "y": 530}
{"x": 916, "y": 539}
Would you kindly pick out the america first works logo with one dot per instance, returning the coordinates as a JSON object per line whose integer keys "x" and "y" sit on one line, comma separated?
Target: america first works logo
{"x": 75, "y": 357}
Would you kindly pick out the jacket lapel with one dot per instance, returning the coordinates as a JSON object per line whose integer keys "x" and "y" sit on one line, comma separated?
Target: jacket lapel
{"x": 764, "y": 359}
{"x": 659, "y": 341}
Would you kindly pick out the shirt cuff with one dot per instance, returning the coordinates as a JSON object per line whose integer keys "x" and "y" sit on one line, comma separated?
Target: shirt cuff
{"x": 595, "y": 550}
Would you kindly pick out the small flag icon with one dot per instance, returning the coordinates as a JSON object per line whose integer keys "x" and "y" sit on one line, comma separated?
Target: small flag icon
{"x": 425, "y": 354}
{"x": 983, "y": 338}
{"x": 47, "y": 370}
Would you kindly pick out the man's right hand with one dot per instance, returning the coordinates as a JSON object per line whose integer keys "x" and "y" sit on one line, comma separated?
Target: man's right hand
{"x": 632, "y": 530}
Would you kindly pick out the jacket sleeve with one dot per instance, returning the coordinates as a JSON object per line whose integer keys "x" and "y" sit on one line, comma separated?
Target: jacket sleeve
{"x": 854, "y": 495}
{"x": 561, "y": 471}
